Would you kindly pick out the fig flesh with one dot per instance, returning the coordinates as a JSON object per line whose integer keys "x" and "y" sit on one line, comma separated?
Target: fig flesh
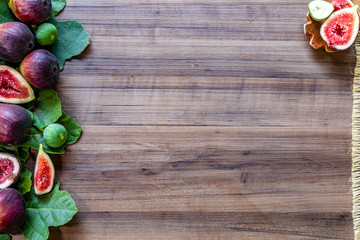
{"x": 10, "y": 169}
{"x": 340, "y": 4}
{"x": 32, "y": 12}
{"x": 15, "y": 124}
{"x": 12, "y": 210}
{"x": 16, "y": 41}
{"x": 339, "y": 31}
{"x": 13, "y": 87}
{"x": 41, "y": 69}
{"x": 44, "y": 173}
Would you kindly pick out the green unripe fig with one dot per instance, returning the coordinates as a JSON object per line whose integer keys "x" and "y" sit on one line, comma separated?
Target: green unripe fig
{"x": 55, "y": 135}
{"x": 46, "y": 34}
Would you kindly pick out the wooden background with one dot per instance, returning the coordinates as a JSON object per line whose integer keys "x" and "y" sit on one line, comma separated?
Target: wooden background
{"x": 206, "y": 119}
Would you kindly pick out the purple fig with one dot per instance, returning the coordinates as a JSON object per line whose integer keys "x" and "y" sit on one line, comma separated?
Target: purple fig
{"x": 41, "y": 69}
{"x": 32, "y": 12}
{"x": 12, "y": 210}
{"x": 16, "y": 41}
{"x": 15, "y": 124}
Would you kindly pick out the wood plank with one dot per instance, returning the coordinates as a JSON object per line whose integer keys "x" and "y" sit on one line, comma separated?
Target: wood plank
{"x": 205, "y": 120}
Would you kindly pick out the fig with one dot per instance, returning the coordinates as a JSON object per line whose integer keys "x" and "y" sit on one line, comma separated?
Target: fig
{"x": 15, "y": 124}
{"x": 44, "y": 173}
{"x": 320, "y": 10}
{"x": 339, "y": 31}
{"x": 340, "y": 4}
{"x": 41, "y": 69}
{"x": 16, "y": 41}
{"x": 46, "y": 34}
{"x": 32, "y": 12}
{"x": 12, "y": 210}
{"x": 13, "y": 87}
{"x": 10, "y": 169}
{"x": 55, "y": 135}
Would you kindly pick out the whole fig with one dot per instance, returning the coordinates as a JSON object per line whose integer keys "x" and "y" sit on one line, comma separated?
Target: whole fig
{"x": 15, "y": 124}
{"x": 41, "y": 69}
{"x": 16, "y": 41}
{"x": 12, "y": 210}
{"x": 32, "y": 12}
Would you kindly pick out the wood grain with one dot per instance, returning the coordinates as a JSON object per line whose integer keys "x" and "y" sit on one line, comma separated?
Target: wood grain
{"x": 206, "y": 119}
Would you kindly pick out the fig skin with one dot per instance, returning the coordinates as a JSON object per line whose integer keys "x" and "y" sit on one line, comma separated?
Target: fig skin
{"x": 12, "y": 210}
{"x": 41, "y": 69}
{"x": 32, "y": 12}
{"x": 15, "y": 124}
{"x": 13, "y": 176}
{"x": 16, "y": 41}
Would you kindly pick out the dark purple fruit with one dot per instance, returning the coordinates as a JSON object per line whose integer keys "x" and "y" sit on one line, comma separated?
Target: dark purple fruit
{"x": 41, "y": 69}
{"x": 16, "y": 41}
{"x": 32, "y": 12}
{"x": 15, "y": 124}
{"x": 10, "y": 169}
{"x": 12, "y": 210}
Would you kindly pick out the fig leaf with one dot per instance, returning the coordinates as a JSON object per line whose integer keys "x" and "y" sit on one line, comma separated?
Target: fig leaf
{"x": 73, "y": 129}
{"x": 5, "y": 14}
{"x": 47, "y": 108}
{"x": 71, "y": 41}
{"x": 54, "y": 209}
{"x": 23, "y": 184}
{"x": 57, "y": 6}
{"x": 5, "y": 237}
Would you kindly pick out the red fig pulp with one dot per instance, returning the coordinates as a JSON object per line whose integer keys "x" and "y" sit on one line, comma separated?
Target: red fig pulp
{"x": 44, "y": 173}
{"x": 340, "y": 4}
{"x": 10, "y": 169}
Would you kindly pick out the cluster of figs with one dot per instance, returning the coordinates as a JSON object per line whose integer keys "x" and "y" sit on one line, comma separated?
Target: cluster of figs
{"x": 339, "y": 21}
{"x": 21, "y": 45}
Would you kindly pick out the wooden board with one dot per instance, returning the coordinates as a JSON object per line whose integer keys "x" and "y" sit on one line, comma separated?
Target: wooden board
{"x": 206, "y": 119}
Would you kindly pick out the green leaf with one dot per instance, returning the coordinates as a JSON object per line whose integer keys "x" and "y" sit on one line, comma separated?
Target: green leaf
{"x": 5, "y": 237}
{"x": 73, "y": 129}
{"x": 23, "y": 184}
{"x": 71, "y": 41}
{"x": 57, "y": 6}
{"x": 5, "y": 12}
{"x": 54, "y": 209}
{"x": 47, "y": 108}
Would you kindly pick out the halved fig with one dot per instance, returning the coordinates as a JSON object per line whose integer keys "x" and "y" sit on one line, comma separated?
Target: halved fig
{"x": 16, "y": 41}
{"x": 13, "y": 87}
{"x": 44, "y": 173}
{"x": 10, "y": 169}
{"x": 340, "y": 4}
{"x": 41, "y": 69}
{"x": 341, "y": 28}
{"x": 15, "y": 124}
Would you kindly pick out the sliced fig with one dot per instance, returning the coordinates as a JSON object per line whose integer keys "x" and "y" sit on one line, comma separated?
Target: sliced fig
{"x": 44, "y": 173}
{"x": 341, "y": 28}
{"x": 340, "y": 4}
{"x": 13, "y": 87}
{"x": 10, "y": 169}
{"x": 16, "y": 41}
{"x": 15, "y": 124}
{"x": 32, "y": 12}
{"x": 41, "y": 69}
{"x": 12, "y": 210}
